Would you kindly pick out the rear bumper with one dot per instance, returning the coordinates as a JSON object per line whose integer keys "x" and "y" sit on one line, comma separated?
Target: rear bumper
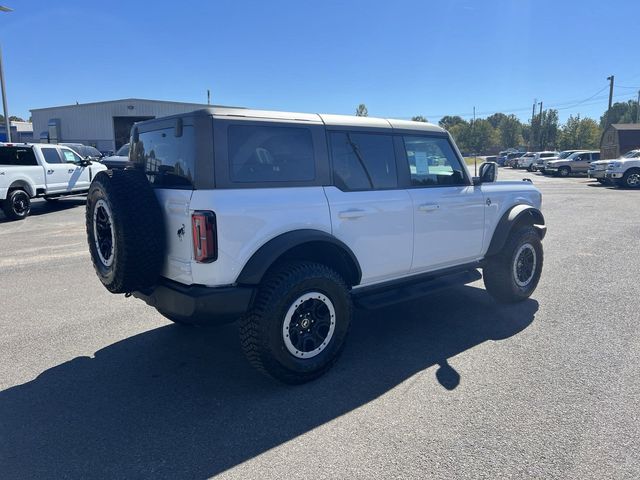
{"x": 197, "y": 303}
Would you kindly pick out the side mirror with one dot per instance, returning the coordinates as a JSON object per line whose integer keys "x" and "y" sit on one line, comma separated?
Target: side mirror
{"x": 85, "y": 162}
{"x": 488, "y": 173}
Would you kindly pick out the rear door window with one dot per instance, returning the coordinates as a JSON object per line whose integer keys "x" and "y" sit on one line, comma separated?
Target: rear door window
{"x": 17, "y": 156}
{"x": 260, "y": 153}
{"x": 51, "y": 155}
{"x": 169, "y": 161}
{"x": 363, "y": 161}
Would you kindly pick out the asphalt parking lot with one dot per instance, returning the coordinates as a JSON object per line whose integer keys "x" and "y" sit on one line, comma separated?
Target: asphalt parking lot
{"x": 94, "y": 385}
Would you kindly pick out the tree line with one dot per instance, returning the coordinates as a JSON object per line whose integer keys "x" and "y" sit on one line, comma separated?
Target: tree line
{"x": 500, "y": 131}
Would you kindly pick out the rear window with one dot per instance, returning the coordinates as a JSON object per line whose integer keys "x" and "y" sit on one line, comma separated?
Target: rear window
{"x": 17, "y": 156}
{"x": 169, "y": 161}
{"x": 270, "y": 154}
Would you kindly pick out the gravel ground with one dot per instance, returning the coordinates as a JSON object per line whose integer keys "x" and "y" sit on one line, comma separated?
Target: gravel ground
{"x": 94, "y": 385}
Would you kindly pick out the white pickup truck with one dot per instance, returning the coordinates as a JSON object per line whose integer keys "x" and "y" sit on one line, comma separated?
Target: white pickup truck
{"x": 40, "y": 170}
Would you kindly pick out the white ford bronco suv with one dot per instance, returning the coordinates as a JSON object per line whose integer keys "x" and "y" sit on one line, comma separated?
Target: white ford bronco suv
{"x": 40, "y": 170}
{"x": 282, "y": 220}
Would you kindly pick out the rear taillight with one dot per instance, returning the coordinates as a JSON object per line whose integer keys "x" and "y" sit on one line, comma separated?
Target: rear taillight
{"x": 205, "y": 242}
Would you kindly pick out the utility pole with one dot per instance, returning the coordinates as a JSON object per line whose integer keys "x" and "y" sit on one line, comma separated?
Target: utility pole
{"x": 475, "y": 157}
{"x": 540, "y": 136}
{"x": 638, "y": 108}
{"x": 606, "y": 124}
{"x": 208, "y": 97}
{"x": 532, "y": 139}
{"x": 7, "y": 122}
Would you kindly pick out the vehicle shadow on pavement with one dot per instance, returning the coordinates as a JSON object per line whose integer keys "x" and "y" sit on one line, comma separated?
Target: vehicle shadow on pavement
{"x": 44, "y": 207}
{"x": 178, "y": 402}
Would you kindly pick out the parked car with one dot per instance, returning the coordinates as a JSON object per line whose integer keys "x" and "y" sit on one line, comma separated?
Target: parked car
{"x": 288, "y": 218}
{"x": 503, "y": 160}
{"x": 85, "y": 151}
{"x": 625, "y": 171}
{"x": 577, "y": 162}
{"x": 529, "y": 159}
{"x": 512, "y": 162}
{"x": 118, "y": 161}
{"x": 40, "y": 170}
{"x": 541, "y": 163}
{"x": 598, "y": 170}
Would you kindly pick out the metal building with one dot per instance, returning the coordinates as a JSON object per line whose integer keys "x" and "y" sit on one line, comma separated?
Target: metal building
{"x": 618, "y": 139}
{"x": 104, "y": 125}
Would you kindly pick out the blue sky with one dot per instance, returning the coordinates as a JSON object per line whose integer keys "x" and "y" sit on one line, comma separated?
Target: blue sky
{"x": 400, "y": 58}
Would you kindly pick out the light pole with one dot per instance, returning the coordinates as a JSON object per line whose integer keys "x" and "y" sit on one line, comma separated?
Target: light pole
{"x": 4, "y": 88}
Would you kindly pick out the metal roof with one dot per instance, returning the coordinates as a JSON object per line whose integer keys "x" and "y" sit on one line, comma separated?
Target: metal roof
{"x": 626, "y": 126}
{"x": 121, "y": 100}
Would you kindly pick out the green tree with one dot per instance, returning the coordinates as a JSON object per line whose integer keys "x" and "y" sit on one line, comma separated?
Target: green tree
{"x": 495, "y": 119}
{"x": 362, "y": 111}
{"x": 621, "y": 112}
{"x": 475, "y": 137}
{"x": 579, "y": 133}
{"x": 419, "y": 118}
{"x": 549, "y": 129}
{"x": 449, "y": 121}
{"x": 509, "y": 131}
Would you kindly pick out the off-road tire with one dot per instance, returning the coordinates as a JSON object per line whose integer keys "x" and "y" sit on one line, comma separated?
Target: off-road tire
{"x": 17, "y": 205}
{"x": 138, "y": 240}
{"x": 630, "y": 179}
{"x": 261, "y": 329}
{"x": 498, "y": 272}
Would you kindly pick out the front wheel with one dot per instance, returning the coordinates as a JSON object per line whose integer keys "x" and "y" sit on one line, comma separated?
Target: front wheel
{"x": 564, "y": 171}
{"x": 513, "y": 274}
{"x": 17, "y": 205}
{"x": 631, "y": 178}
{"x": 298, "y": 323}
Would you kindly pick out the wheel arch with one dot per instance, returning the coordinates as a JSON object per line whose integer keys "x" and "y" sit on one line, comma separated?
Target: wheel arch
{"x": 306, "y": 244}
{"x": 22, "y": 185}
{"x": 517, "y": 216}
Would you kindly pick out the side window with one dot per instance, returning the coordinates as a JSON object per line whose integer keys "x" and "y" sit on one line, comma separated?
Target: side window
{"x": 70, "y": 157}
{"x": 263, "y": 153}
{"x": 168, "y": 160}
{"x": 363, "y": 161}
{"x": 51, "y": 155}
{"x": 432, "y": 162}
{"x": 17, "y": 156}
{"x": 595, "y": 156}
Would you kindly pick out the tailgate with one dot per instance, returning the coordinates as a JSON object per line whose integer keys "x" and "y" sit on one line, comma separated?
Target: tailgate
{"x": 175, "y": 205}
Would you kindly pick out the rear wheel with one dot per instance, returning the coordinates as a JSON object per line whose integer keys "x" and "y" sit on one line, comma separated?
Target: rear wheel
{"x": 631, "y": 178}
{"x": 513, "y": 274}
{"x": 297, "y": 325}
{"x": 17, "y": 205}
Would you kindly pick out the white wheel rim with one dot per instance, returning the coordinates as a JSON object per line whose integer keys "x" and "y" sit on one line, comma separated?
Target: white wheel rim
{"x": 106, "y": 257}
{"x": 525, "y": 262}
{"x": 309, "y": 341}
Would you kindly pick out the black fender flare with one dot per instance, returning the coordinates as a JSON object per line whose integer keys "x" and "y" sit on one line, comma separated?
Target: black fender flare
{"x": 260, "y": 262}
{"x": 516, "y": 216}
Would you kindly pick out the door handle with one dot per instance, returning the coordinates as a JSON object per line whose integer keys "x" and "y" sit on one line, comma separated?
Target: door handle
{"x": 50, "y": 171}
{"x": 71, "y": 170}
{"x": 428, "y": 207}
{"x": 352, "y": 213}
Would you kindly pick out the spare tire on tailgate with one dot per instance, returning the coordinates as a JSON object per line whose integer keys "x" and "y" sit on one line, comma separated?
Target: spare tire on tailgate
{"x": 125, "y": 230}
